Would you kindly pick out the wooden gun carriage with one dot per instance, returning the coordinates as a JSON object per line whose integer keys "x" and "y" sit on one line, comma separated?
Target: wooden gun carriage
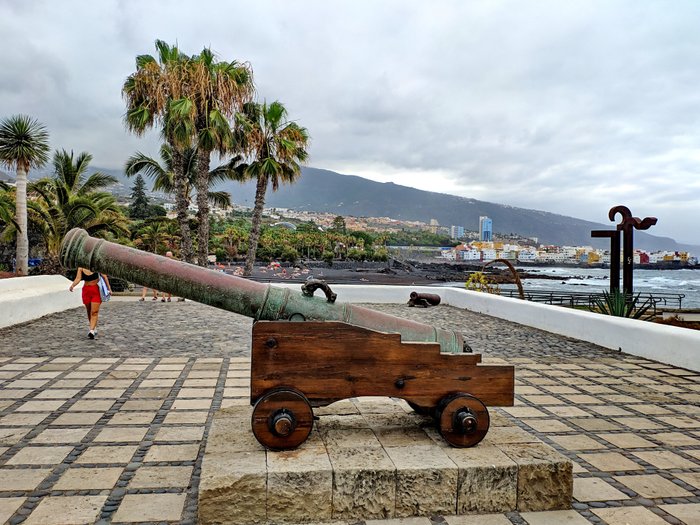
{"x": 334, "y": 352}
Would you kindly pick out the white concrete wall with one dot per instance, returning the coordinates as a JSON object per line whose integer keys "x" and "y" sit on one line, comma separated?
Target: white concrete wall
{"x": 23, "y": 299}
{"x": 667, "y": 344}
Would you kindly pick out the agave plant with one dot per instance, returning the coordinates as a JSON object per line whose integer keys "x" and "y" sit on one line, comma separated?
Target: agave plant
{"x": 619, "y": 304}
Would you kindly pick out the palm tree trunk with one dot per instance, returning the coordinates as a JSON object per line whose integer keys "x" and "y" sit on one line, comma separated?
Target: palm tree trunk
{"x": 182, "y": 203}
{"x": 22, "y": 254}
{"x": 260, "y": 190}
{"x": 203, "y": 157}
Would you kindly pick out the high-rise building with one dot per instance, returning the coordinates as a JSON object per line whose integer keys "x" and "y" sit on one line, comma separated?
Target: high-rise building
{"x": 456, "y": 232}
{"x": 485, "y": 229}
{"x": 434, "y": 225}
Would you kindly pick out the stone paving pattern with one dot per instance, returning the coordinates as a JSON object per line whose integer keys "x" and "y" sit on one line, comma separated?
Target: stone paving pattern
{"x": 113, "y": 430}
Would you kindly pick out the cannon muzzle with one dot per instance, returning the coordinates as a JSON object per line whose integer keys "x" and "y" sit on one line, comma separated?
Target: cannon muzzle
{"x": 236, "y": 294}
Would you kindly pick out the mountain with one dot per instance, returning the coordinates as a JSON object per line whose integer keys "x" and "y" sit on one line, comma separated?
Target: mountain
{"x": 321, "y": 190}
{"x": 327, "y": 191}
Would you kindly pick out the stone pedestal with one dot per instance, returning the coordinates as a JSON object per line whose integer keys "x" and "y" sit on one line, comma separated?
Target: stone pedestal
{"x": 374, "y": 458}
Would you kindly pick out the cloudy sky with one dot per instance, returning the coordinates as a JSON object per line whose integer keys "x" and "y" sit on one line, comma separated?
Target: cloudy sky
{"x": 564, "y": 106}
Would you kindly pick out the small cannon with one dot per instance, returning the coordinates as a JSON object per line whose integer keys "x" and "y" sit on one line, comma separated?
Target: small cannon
{"x": 423, "y": 299}
{"x": 337, "y": 351}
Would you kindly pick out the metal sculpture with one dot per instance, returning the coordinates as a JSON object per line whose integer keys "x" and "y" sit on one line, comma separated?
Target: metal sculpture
{"x": 625, "y": 228}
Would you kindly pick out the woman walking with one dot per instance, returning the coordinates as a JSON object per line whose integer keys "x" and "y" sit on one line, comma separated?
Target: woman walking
{"x": 91, "y": 296}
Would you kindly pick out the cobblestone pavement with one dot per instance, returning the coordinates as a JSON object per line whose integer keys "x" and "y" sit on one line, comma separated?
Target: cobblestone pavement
{"x": 113, "y": 430}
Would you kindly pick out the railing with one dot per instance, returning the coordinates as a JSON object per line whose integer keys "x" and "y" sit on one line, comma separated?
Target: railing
{"x": 574, "y": 299}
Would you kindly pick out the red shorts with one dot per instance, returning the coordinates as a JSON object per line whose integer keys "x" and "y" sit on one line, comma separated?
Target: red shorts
{"x": 91, "y": 294}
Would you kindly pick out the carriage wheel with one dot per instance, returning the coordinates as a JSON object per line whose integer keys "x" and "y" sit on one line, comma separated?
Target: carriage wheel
{"x": 282, "y": 419}
{"x": 463, "y": 420}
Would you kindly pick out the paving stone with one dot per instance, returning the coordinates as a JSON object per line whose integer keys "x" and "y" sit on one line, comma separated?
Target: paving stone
{"x": 21, "y": 479}
{"x": 665, "y": 459}
{"x": 157, "y": 477}
{"x": 628, "y": 515}
{"x": 61, "y": 435}
{"x": 481, "y": 519}
{"x": 78, "y": 418}
{"x": 610, "y": 461}
{"x": 185, "y": 417}
{"x": 107, "y": 454}
{"x": 555, "y": 517}
{"x": 653, "y": 486}
{"x": 595, "y": 489}
{"x": 548, "y": 425}
{"x": 595, "y": 424}
{"x": 691, "y": 478}
{"x": 577, "y": 442}
{"x": 180, "y": 433}
{"x": 121, "y": 434}
{"x": 66, "y": 510}
{"x": 172, "y": 453}
{"x": 23, "y": 419}
{"x": 627, "y": 440}
{"x": 688, "y": 513}
{"x": 40, "y": 455}
{"x": 150, "y": 507}
{"x": 79, "y": 478}
{"x": 676, "y": 439}
{"x": 8, "y": 506}
{"x": 12, "y": 435}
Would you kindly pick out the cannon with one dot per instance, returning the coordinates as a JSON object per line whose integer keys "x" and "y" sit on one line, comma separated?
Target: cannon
{"x": 423, "y": 299}
{"x": 334, "y": 351}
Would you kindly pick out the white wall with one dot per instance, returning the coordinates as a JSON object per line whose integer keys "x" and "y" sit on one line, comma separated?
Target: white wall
{"x": 667, "y": 344}
{"x": 23, "y": 299}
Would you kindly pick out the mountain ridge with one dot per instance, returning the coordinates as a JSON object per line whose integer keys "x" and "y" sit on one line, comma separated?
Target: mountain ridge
{"x": 321, "y": 190}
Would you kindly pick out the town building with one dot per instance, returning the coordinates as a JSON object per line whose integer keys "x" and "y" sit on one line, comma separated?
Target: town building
{"x": 485, "y": 228}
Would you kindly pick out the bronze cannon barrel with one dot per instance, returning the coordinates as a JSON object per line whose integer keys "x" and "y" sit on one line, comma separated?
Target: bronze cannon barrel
{"x": 236, "y": 294}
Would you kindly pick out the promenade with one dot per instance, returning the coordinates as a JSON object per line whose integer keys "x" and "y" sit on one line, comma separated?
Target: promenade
{"x": 113, "y": 430}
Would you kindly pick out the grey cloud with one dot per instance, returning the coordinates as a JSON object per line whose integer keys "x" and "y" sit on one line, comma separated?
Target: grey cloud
{"x": 567, "y": 107}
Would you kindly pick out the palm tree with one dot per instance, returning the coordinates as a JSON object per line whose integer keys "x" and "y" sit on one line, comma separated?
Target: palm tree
{"x": 7, "y": 205}
{"x": 163, "y": 177}
{"x": 154, "y": 236}
{"x": 24, "y": 144}
{"x": 153, "y": 95}
{"x": 276, "y": 147}
{"x": 73, "y": 199}
{"x": 217, "y": 90}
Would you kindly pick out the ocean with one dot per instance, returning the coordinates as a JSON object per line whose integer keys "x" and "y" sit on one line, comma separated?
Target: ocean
{"x": 685, "y": 282}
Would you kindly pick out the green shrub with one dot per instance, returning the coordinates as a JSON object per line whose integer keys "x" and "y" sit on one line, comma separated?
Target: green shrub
{"x": 289, "y": 254}
{"x": 619, "y": 304}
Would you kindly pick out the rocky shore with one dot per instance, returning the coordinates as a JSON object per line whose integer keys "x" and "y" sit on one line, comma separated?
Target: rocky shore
{"x": 393, "y": 272}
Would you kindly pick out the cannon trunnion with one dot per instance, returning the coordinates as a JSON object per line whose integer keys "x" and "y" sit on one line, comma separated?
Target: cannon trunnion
{"x": 298, "y": 366}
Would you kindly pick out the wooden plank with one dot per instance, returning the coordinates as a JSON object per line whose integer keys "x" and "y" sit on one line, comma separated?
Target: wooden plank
{"x": 329, "y": 361}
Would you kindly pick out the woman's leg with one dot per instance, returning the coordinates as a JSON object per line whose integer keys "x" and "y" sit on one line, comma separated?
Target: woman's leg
{"x": 87, "y": 307}
{"x": 94, "y": 314}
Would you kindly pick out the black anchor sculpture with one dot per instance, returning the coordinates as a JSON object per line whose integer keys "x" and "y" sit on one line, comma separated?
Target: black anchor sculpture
{"x": 625, "y": 229}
